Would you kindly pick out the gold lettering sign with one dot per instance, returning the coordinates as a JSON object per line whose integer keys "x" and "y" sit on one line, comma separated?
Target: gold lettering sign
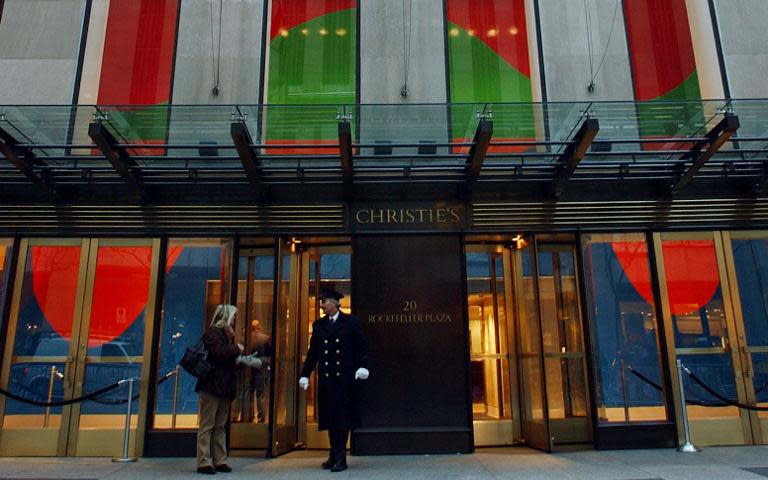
{"x": 409, "y": 315}
{"x": 409, "y": 318}
{"x": 408, "y": 216}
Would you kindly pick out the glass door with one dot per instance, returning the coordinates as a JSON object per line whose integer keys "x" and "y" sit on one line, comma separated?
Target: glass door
{"x": 495, "y": 405}
{"x": 322, "y": 267}
{"x": 563, "y": 343}
{"x": 747, "y": 262}
{"x": 704, "y": 334}
{"x": 535, "y": 425}
{"x": 80, "y": 321}
{"x": 255, "y": 290}
{"x": 284, "y": 407}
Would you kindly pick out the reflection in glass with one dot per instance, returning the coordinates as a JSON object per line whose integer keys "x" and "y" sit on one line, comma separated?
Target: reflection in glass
{"x": 115, "y": 333}
{"x": 698, "y": 320}
{"x": 531, "y": 371}
{"x": 43, "y": 335}
{"x": 561, "y": 334}
{"x": 254, "y": 330}
{"x": 751, "y": 261}
{"x": 195, "y": 283}
{"x": 624, "y": 329}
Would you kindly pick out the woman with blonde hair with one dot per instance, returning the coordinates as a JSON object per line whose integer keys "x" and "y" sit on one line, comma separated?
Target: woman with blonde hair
{"x": 218, "y": 390}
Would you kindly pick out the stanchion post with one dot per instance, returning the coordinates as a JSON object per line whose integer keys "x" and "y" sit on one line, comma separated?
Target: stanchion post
{"x": 624, "y": 390}
{"x": 51, "y": 379}
{"x": 687, "y": 447}
{"x": 127, "y": 434}
{"x": 175, "y": 395}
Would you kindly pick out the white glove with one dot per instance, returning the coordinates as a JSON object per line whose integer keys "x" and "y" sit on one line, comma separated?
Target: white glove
{"x": 361, "y": 374}
{"x": 304, "y": 383}
{"x": 250, "y": 360}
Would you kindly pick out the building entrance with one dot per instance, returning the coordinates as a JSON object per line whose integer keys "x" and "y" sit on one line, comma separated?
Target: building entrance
{"x": 275, "y": 319}
{"x": 528, "y": 362}
{"x": 527, "y": 365}
{"x": 81, "y": 319}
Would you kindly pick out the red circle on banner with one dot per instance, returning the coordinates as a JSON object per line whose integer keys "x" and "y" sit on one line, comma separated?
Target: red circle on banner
{"x": 690, "y": 267}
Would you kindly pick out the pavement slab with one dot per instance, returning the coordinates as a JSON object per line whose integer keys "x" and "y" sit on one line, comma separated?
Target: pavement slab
{"x": 508, "y": 463}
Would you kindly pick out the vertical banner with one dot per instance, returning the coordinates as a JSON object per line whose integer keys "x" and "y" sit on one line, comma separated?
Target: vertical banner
{"x": 408, "y": 294}
{"x": 663, "y": 65}
{"x": 129, "y": 61}
{"x": 489, "y": 62}
{"x": 312, "y": 60}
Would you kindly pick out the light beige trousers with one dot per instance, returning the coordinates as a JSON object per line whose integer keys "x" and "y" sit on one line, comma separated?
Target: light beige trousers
{"x": 212, "y": 434}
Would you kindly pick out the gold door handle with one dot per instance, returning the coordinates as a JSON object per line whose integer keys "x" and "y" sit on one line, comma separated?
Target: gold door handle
{"x": 68, "y": 372}
{"x": 746, "y": 359}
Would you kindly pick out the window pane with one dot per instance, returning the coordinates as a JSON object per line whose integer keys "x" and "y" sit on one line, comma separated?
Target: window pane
{"x": 195, "y": 283}
{"x": 751, "y": 260}
{"x": 43, "y": 335}
{"x": 623, "y": 326}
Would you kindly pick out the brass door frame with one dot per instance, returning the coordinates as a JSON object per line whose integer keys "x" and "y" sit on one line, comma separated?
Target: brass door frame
{"x": 40, "y": 441}
{"x": 535, "y": 435}
{"x": 308, "y": 432}
{"x": 69, "y": 441}
{"x": 514, "y": 379}
{"x": 735, "y": 329}
{"x": 249, "y": 435}
{"x": 511, "y": 434}
{"x": 744, "y": 350}
{"x": 85, "y": 443}
{"x": 575, "y": 430}
{"x": 288, "y": 433}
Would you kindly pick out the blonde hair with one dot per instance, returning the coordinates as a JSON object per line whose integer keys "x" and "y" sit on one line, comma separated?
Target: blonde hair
{"x": 223, "y": 315}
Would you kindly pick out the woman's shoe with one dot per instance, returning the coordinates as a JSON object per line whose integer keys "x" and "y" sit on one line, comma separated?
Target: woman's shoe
{"x": 208, "y": 470}
{"x": 223, "y": 468}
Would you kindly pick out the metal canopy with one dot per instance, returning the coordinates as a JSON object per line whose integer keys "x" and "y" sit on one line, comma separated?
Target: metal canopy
{"x": 24, "y": 161}
{"x": 248, "y": 156}
{"x": 117, "y": 156}
{"x": 345, "y": 152}
{"x": 477, "y": 152}
{"x": 550, "y": 147}
{"x": 715, "y": 139}
{"x": 574, "y": 153}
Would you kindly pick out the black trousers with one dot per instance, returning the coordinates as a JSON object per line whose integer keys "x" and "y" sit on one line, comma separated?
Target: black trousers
{"x": 338, "y": 438}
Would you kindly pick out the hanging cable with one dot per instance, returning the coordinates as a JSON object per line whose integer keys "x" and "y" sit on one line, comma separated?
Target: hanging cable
{"x": 407, "y": 14}
{"x": 216, "y": 50}
{"x": 590, "y": 55}
{"x": 593, "y": 72}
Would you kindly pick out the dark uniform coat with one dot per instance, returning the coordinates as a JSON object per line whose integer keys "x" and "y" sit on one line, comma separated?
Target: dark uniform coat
{"x": 222, "y": 353}
{"x": 337, "y": 349}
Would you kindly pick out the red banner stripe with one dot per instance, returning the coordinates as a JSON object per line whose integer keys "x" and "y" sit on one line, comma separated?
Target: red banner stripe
{"x": 660, "y": 46}
{"x": 138, "y": 52}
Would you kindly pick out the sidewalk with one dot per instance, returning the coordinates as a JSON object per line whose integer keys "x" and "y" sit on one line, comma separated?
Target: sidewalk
{"x": 730, "y": 463}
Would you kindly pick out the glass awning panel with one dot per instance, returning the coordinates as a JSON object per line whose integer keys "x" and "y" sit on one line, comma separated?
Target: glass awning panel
{"x": 386, "y": 139}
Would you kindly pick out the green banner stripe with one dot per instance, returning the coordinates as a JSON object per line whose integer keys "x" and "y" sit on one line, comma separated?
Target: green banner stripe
{"x": 314, "y": 64}
{"x": 477, "y": 75}
{"x": 673, "y": 120}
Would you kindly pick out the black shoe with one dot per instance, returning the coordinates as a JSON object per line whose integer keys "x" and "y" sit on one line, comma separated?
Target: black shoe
{"x": 223, "y": 468}
{"x": 208, "y": 470}
{"x": 326, "y": 464}
{"x": 338, "y": 467}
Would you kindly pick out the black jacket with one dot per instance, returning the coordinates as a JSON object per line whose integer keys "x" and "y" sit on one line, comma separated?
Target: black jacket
{"x": 222, "y": 353}
{"x": 337, "y": 350}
